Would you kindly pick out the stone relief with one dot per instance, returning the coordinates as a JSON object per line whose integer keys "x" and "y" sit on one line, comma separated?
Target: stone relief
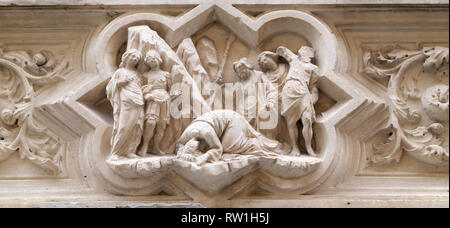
{"x": 224, "y": 105}
{"x": 217, "y": 147}
{"x": 21, "y": 74}
{"x": 418, "y": 101}
{"x": 299, "y": 95}
{"x": 126, "y": 96}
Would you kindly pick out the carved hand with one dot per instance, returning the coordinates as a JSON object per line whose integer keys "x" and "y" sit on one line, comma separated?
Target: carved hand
{"x": 188, "y": 157}
{"x": 153, "y": 98}
{"x": 269, "y": 106}
{"x": 315, "y": 95}
{"x": 202, "y": 159}
{"x": 177, "y": 93}
{"x": 147, "y": 88}
{"x": 219, "y": 80}
{"x": 285, "y": 53}
{"x": 281, "y": 50}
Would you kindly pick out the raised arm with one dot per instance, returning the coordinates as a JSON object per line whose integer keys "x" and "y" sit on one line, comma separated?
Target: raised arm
{"x": 286, "y": 53}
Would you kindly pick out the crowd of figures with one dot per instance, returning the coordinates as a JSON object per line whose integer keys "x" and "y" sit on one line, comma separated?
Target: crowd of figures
{"x": 141, "y": 104}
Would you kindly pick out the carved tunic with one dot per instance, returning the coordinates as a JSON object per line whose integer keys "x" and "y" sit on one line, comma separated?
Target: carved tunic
{"x": 296, "y": 97}
{"x": 158, "y": 101}
{"x": 128, "y": 109}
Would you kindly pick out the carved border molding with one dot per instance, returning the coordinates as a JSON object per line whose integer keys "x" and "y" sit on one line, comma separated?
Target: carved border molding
{"x": 361, "y": 107}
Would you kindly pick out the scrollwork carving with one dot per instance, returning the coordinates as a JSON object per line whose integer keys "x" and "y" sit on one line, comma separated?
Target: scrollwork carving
{"x": 19, "y": 130}
{"x": 418, "y": 121}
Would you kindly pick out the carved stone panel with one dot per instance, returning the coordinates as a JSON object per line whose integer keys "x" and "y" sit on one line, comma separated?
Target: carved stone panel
{"x": 225, "y": 103}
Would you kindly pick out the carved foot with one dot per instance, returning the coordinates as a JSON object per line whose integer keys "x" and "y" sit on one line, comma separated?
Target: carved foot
{"x": 295, "y": 152}
{"x": 131, "y": 156}
{"x": 158, "y": 152}
{"x": 143, "y": 151}
{"x": 311, "y": 152}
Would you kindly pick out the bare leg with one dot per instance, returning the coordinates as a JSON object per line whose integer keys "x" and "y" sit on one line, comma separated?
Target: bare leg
{"x": 160, "y": 129}
{"x": 293, "y": 136}
{"x": 308, "y": 132}
{"x": 149, "y": 129}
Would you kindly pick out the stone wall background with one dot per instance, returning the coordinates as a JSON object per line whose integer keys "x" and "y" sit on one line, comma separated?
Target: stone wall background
{"x": 67, "y": 28}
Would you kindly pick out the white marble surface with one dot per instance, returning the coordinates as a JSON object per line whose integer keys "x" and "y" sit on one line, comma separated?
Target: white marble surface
{"x": 375, "y": 64}
{"x": 193, "y": 2}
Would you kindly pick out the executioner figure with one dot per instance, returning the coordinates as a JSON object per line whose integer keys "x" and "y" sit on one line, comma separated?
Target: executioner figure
{"x": 299, "y": 95}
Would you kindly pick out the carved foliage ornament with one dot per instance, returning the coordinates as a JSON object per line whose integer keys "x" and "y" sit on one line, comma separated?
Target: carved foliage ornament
{"x": 418, "y": 101}
{"x": 20, "y": 75}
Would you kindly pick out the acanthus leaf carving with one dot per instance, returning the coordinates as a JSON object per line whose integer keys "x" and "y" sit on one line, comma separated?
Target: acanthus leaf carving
{"x": 41, "y": 68}
{"x": 19, "y": 130}
{"x": 427, "y": 141}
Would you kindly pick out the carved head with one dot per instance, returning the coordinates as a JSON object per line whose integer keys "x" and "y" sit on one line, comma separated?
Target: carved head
{"x": 153, "y": 59}
{"x": 243, "y": 68}
{"x": 306, "y": 53}
{"x": 268, "y": 61}
{"x": 191, "y": 146}
{"x": 8, "y": 117}
{"x": 131, "y": 58}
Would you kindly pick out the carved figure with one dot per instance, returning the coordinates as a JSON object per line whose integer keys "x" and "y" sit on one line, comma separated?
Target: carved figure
{"x": 125, "y": 94}
{"x": 258, "y": 91}
{"x": 299, "y": 95}
{"x": 276, "y": 73}
{"x": 223, "y": 131}
{"x": 157, "y": 100}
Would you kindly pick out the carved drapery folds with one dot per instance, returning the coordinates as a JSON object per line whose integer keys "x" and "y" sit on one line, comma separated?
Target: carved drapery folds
{"x": 417, "y": 95}
{"x": 20, "y": 75}
{"x": 215, "y": 103}
{"x": 187, "y": 83}
{"x": 215, "y": 148}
